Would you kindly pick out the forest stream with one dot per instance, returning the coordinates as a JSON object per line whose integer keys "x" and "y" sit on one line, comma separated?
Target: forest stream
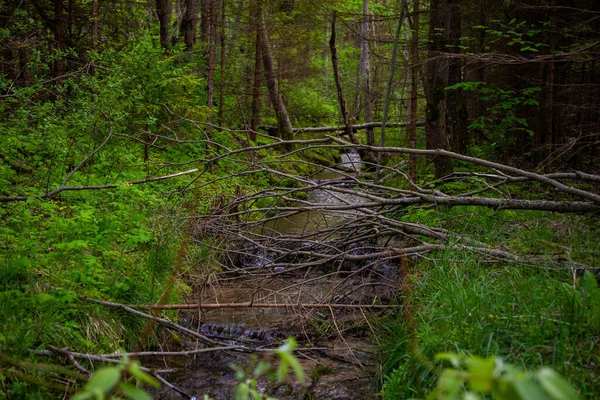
{"x": 345, "y": 365}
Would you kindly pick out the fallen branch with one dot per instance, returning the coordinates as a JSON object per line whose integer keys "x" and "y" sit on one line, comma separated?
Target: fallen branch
{"x": 318, "y": 129}
{"x": 91, "y": 358}
{"x": 105, "y": 359}
{"x": 169, "y": 353}
{"x": 259, "y": 305}
{"x": 62, "y": 188}
{"x": 478, "y": 161}
{"x": 159, "y": 321}
{"x": 172, "y": 387}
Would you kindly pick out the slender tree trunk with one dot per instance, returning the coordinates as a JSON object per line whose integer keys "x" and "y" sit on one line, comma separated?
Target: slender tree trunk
{"x": 212, "y": 41}
{"x": 366, "y": 69}
{"x": 188, "y": 25}
{"x": 178, "y": 23}
{"x": 338, "y": 82}
{"x": 414, "y": 81}
{"x": 255, "y": 113}
{"x": 549, "y": 117}
{"x": 456, "y": 116}
{"x": 284, "y": 126}
{"x": 388, "y": 92}
{"x": 95, "y": 24}
{"x": 59, "y": 37}
{"x": 437, "y": 81}
{"x": 69, "y": 28}
{"x": 204, "y": 19}
{"x": 222, "y": 65}
{"x": 163, "y": 10}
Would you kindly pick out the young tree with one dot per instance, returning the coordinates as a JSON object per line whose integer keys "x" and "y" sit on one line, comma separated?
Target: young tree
{"x": 284, "y": 126}
{"x": 338, "y": 82}
{"x": 365, "y": 67}
{"x": 414, "y": 82}
{"x": 255, "y": 111}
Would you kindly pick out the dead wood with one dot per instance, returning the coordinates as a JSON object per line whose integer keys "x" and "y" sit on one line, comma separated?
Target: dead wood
{"x": 160, "y": 321}
{"x": 342, "y": 128}
{"x": 261, "y": 305}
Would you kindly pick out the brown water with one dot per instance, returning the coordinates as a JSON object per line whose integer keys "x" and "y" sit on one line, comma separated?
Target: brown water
{"x": 345, "y": 365}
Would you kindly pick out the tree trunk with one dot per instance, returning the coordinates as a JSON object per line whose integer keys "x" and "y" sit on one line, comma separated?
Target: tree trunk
{"x": 414, "y": 81}
{"x": 163, "y": 10}
{"x": 69, "y": 27}
{"x": 59, "y": 37}
{"x": 366, "y": 69}
{"x": 222, "y": 65}
{"x": 338, "y": 82}
{"x": 456, "y": 116}
{"x": 388, "y": 91}
{"x": 204, "y": 19}
{"x": 255, "y": 113}
{"x": 212, "y": 41}
{"x": 284, "y": 126}
{"x": 549, "y": 117}
{"x": 95, "y": 24}
{"x": 437, "y": 80}
{"x": 188, "y": 25}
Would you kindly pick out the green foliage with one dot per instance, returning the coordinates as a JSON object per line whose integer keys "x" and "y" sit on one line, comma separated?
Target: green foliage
{"x": 506, "y": 109}
{"x": 530, "y": 317}
{"x": 516, "y": 33}
{"x": 111, "y": 381}
{"x": 472, "y": 377}
{"x": 584, "y": 297}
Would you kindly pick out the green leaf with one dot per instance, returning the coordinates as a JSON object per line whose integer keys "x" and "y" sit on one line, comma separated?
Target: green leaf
{"x": 555, "y": 385}
{"x": 528, "y": 390}
{"x": 104, "y": 380}
{"x": 133, "y": 392}
{"x": 241, "y": 391}
{"x": 239, "y": 372}
{"x": 450, "y": 382}
{"x": 136, "y": 371}
{"x": 454, "y": 358}
{"x": 295, "y": 364}
{"x": 282, "y": 371}
{"x": 482, "y": 373}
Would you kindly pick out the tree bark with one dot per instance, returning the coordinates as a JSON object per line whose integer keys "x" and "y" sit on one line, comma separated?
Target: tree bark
{"x": 59, "y": 37}
{"x": 548, "y": 116}
{"x": 163, "y": 10}
{"x": 222, "y": 65}
{"x": 212, "y": 41}
{"x": 95, "y": 30}
{"x": 388, "y": 92}
{"x": 437, "y": 81}
{"x": 284, "y": 126}
{"x": 456, "y": 116}
{"x": 204, "y": 19}
{"x": 188, "y": 25}
{"x": 338, "y": 82}
{"x": 366, "y": 70}
{"x": 255, "y": 113}
{"x": 414, "y": 81}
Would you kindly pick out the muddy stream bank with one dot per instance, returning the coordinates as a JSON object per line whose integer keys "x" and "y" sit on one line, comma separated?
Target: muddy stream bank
{"x": 267, "y": 270}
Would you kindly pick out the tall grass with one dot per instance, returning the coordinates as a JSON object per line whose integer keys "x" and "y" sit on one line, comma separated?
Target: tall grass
{"x": 461, "y": 303}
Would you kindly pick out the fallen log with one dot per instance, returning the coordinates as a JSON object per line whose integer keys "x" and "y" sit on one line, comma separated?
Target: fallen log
{"x": 317, "y": 129}
{"x": 258, "y": 305}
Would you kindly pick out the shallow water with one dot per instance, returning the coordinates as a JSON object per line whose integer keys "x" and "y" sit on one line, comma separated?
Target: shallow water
{"x": 346, "y": 367}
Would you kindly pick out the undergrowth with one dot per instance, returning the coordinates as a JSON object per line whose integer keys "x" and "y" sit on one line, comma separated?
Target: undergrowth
{"x": 462, "y": 302}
